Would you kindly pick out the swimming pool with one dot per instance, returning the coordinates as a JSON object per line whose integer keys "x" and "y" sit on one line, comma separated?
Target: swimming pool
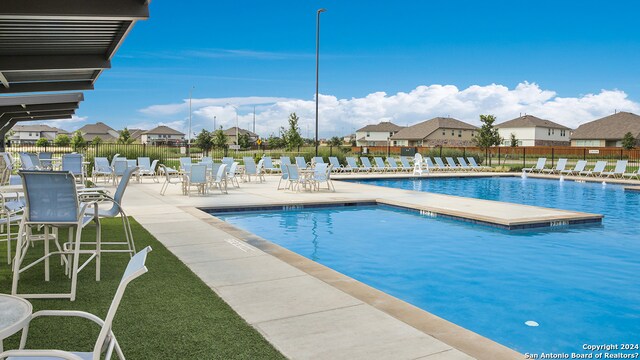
{"x": 580, "y": 283}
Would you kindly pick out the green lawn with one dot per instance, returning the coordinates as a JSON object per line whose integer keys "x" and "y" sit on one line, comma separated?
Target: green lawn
{"x": 167, "y": 313}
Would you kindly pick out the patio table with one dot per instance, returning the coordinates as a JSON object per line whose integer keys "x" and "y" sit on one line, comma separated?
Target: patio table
{"x": 15, "y": 313}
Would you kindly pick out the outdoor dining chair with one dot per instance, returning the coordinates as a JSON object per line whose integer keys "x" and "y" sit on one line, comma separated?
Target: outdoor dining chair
{"x": 106, "y": 342}
{"x": 119, "y": 168}
{"x": 45, "y": 159}
{"x": 101, "y": 168}
{"x": 73, "y": 164}
{"x": 52, "y": 203}
{"x": 27, "y": 163}
{"x": 231, "y": 174}
{"x": 197, "y": 176}
{"x": 220, "y": 179}
{"x": 171, "y": 176}
{"x": 322, "y": 174}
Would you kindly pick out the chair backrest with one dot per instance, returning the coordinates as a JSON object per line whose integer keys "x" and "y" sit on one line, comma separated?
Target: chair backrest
{"x": 221, "y": 172}
{"x": 379, "y": 162}
{"x": 120, "y": 167}
{"x": 260, "y": 167}
{"x": 352, "y": 162}
{"x": 439, "y": 162}
{"x": 320, "y": 171}
{"x": 131, "y": 163}
{"x": 206, "y": 160}
{"x": 540, "y": 163}
{"x": 152, "y": 168}
{"x": 430, "y": 163}
{"x": 302, "y": 164}
{"x": 334, "y": 162}
{"x": 135, "y": 268}
{"x": 600, "y": 165}
{"x": 405, "y": 162}
{"x": 285, "y": 172}
{"x": 101, "y": 164}
{"x": 232, "y": 169}
{"x": 284, "y": 161}
{"x": 392, "y": 163}
{"x": 561, "y": 164}
{"x": 249, "y": 165}
{"x": 198, "y": 174}
{"x": 227, "y": 160}
{"x": 451, "y": 162}
{"x": 45, "y": 155}
{"x": 25, "y": 162}
{"x": 51, "y": 196}
{"x": 365, "y": 162}
{"x": 621, "y": 166}
{"x": 72, "y": 163}
{"x": 144, "y": 163}
{"x": 318, "y": 160}
{"x": 580, "y": 165}
{"x": 462, "y": 162}
{"x": 268, "y": 162}
{"x": 472, "y": 162}
{"x": 293, "y": 172}
{"x": 119, "y": 194}
{"x": 35, "y": 160}
{"x": 113, "y": 159}
{"x": 185, "y": 164}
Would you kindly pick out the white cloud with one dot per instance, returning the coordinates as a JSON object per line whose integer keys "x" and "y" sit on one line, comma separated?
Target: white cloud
{"x": 341, "y": 116}
{"x": 68, "y": 124}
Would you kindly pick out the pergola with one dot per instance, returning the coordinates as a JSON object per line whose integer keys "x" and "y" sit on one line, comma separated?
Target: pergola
{"x": 58, "y": 45}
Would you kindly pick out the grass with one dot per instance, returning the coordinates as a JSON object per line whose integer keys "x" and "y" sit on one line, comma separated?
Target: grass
{"x": 168, "y": 313}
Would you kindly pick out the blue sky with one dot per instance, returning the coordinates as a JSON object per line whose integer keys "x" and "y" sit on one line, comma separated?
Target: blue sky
{"x": 562, "y": 54}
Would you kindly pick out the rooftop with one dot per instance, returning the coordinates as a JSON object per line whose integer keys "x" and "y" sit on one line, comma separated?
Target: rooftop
{"x": 421, "y": 130}
{"x": 530, "y": 121}
{"x": 163, "y": 130}
{"x": 385, "y": 126}
{"x": 612, "y": 127}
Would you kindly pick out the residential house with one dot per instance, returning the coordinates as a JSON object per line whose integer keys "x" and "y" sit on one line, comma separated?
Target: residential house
{"x": 101, "y": 130}
{"x": 136, "y": 134}
{"x": 162, "y": 135}
{"x": 533, "y": 131}
{"x": 231, "y": 135}
{"x": 607, "y": 131}
{"x": 376, "y": 135}
{"x": 29, "y": 134}
{"x": 439, "y": 131}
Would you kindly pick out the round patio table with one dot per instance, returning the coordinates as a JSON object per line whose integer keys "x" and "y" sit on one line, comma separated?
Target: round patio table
{"x": 15, "y": 314}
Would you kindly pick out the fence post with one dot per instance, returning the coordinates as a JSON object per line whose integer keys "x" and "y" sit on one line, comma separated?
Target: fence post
{"x": 440, "y": 150}
{"x": 464, "y": 152}
{"x": 620, "y": 154}
{"x": 584, "y": 154}
{"x": 144, "y": 150}
{"x": 552, "y": 156}
{"x": 524, "y": 157}
{"x": 499, "y": 156}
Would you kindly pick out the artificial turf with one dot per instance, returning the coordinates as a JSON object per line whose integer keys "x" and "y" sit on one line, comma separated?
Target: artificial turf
{"x": 168, "y": 313}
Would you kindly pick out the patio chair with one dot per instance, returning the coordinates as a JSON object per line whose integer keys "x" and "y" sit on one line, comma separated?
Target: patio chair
{"x": 366, "y": 164}
{"x": 560, "y": 165}
{"x": 352, "y": 165}
{"x": 220, "y": 179}
{"x": 474, "y": 164}
{"x": 228, "y": 161}
{"x": 294, "y": 178}
{"x": 52, "y": 202}
{"x": 106, "y": 342}
{"x": 405, "y": 163}
{"x": 284, "y": 177}
{"x": 27, "y": 163}
{"x": 185, "y": 164}
{"x": 618, "y": 172}
{"x": 102, "y": 168}
{"x": 317, "y": 160}
{"x": 171, "y": 176}
{"x": 440, "y": 164}
{"x": 322, "y": 173}
{"x": 144, "y": 169}
{"x": 597, "y": 169}
{"x": 393, "y": 165}
{"x": 631, "y": 175}
{"x": 11, "y": 208}
{"x": 580, "y": 165}
{"x": 231, "y": 174}
{"x": 45, "y": 159}
{"x": 113, "y": 160}
{"x": 7, "y": 168}
{"x": 73, "y": 164}
{"x": 463, "y": 164}
{"x": 268, "y": 165}
{"x": 119, "y": 169}
{"x": 539, "y": 166}
{"x": 452, "y": 164}
{"x": 197, "y": 176}
{"x": 250, "y": 168}
{"x": 301, "y": 162}
{"x": 380, "y": 166}
{"x": 336, "y": 166}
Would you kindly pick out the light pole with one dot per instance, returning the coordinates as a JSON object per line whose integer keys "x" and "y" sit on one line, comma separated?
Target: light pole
{"x": 214, "y": 123}
{"x": 189, "y": 145}
{"x": 317, "y": 67}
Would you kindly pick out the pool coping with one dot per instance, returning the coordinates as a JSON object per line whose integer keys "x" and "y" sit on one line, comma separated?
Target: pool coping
{"x": 460, "y": 338}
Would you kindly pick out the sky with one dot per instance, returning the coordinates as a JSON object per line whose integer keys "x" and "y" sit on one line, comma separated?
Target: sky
{"x": 401, "y": 61}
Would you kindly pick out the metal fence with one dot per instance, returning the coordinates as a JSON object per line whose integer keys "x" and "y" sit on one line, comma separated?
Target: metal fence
{"x": 518, "y": 157}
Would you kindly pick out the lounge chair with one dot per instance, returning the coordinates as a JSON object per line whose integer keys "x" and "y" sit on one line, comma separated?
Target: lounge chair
{"x": 393, "y": 165}
{"x": 146, "y": 169}
{"x": 577, "y": 169}
{"x": 464, "y": 166}
{"x": 452, "y": 164}
{"x": 284, "y": 161}
{"x": 597, "y": 170}
{"x": 268, "y": 165}
{"x": 250, "y": 168}
{"x": 618, "y": 172}
{"x": 352, "y": 165}
{"x": 366, "y": 164}
{"x": 380, "y": 166}
{"x": 539, "y": 166}
{"x": 227, "y": 160}
{"x": 335, "y": 165}
{"x": 45, "y": 159}
{"x": 474, "y": 165}
{"x": 440, "y": 164}
{"x": 27, "y": 162}
{"x": 560, "y": 165}
{"x": 317, "y": 160}
{"x": 405, "y": 163}
{"x": 433, "y": 166}
{"x": 301, "y": 162}
{"x": 633, "y": 174}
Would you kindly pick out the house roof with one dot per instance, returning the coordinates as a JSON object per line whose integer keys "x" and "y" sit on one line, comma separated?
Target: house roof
{"x": 163, "y": 130}
{"x": 136, "y": 133}
{"x": 37, "y": 128}
{"x": 421, "y": 130}
{"x": 232, "y": 132}
{"x": 96, "y": 129}
{"x": 612, "y": 127}
{"x": 530, "y": 121}
{"x": 385, "y": 126}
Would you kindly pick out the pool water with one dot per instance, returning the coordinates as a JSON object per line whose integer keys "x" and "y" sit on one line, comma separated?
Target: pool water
{"x": 580, "y": 283}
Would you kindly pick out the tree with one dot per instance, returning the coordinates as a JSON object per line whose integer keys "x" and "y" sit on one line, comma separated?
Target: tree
{"x": 488, "y": 135}
{"x": 42, "y": 142}
{"x": 628, "y": 141}
{"x": 96, "y": 140}
{"x": 335, "y": 141}
{"x": 219, "y": 139}
{"x": 125, "y": 137}
{"x": 77, "y": 141}
{"x": 292, "y": 136}
{"x": 62, "y": 140}
{"x": 204, "y": 141}
{"x": 243, "y": 141}
{"x": 514, "y": 141}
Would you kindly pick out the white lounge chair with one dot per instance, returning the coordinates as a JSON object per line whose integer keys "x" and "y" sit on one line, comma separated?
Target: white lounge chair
{"x": 405, "y": 163}
{"x": 352, "y": 164}
{"x": 560, "y": 165}
{"x": 597, "y": 170}
{"x": 618, "y": 172}
{"x": 474, "y": 165}
{"x": 366, "y": 164}
{"x": 317, "y": 160}
{"x": 635, "y": 174}
{"x": 452, "y": 164}
{"x": 393, "y": 165}
{"x": 336, "y": 166}
{"x": 539, "y": 166}
{"x": 380, "y": 166}
{"x": 268, "y": 165}
{"x": 464, "y": 166}
{"x": 440, "y": 164}
{"x": 577, "y": 169}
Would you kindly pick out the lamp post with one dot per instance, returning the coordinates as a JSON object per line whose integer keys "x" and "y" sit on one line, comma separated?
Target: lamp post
{"x": 190, "y": 96}
{"x": 214, "y": 123}
{"x": 317, "y": 67}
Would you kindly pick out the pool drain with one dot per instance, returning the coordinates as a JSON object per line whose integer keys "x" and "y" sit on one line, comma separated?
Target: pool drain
{"x": 531, "y": 323}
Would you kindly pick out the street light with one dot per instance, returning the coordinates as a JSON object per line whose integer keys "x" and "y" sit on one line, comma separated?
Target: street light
{"x": 317, "y": 67}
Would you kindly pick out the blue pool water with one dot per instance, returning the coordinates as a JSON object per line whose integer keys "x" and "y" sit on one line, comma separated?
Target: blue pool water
{"x": 580, "y": 283}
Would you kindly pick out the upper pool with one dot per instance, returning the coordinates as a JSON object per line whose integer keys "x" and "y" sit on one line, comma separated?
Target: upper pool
{"x": 580, "y": 283}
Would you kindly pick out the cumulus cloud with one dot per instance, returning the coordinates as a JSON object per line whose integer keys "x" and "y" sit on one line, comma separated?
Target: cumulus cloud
{"x": 342, "y": 116}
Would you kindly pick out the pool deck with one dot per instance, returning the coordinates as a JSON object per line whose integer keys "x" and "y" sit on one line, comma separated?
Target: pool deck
{"x": 303, "y": 308}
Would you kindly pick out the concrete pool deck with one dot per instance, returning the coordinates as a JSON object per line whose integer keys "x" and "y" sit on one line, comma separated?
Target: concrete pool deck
{"x": 305, "y": 309}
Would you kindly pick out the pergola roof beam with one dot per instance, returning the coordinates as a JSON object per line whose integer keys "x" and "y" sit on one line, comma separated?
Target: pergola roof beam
{"x": 37, "y": 108}
{"x": 26, "y": 100}
{"x": 76, "y": 9}
{"x": 53, "y": 62}
{"x": 47, "y": 86}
